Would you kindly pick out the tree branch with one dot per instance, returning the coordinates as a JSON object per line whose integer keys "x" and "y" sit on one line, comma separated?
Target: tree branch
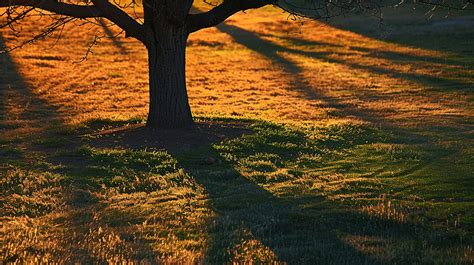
{"x": 220, "y": 13}
{"x": 77, "y": 11}
{"x": 101, "y": 8}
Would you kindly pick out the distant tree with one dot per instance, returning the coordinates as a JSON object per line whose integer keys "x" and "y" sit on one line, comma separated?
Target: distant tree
{"x": 165, "y": 30}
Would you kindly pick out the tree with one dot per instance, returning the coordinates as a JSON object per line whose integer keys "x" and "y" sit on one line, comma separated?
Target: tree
{"x": 165, "y": 30}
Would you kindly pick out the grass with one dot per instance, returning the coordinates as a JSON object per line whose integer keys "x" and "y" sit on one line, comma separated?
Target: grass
{"x": 339, "y": 147}
{"x": 304, "y": 195}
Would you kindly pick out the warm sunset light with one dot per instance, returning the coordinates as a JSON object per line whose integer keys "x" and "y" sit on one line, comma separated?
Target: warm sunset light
{"x": 295, "y": 132}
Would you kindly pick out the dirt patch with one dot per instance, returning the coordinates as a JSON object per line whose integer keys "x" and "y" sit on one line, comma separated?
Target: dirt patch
{"x": 138, "y": 136}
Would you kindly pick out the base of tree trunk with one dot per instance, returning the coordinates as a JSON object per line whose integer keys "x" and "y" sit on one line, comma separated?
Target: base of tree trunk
{"x": 156, "y": 123}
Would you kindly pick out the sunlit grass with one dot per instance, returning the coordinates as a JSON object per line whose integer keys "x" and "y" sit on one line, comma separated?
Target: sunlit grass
{"x": 236, "y": 207}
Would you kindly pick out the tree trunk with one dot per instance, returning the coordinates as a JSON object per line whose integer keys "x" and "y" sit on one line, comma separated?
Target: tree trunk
{"x": 169, "y": 106}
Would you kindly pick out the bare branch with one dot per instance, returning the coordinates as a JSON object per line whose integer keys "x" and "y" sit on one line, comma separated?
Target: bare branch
{"x": 101, "y": 8}
{"x": 325, "y": 9}
{"x": 221, "y": 12}
{"x": 47, "y": 32}
{"x": 12, "y": 20}
{"x": 76, "y": 11}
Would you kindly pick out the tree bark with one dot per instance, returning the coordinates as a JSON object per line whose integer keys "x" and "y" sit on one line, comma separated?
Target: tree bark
{"x": 166, "y": 43}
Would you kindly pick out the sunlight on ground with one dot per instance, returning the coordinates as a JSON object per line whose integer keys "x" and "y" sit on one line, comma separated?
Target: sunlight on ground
{"x": 256, "y": 65}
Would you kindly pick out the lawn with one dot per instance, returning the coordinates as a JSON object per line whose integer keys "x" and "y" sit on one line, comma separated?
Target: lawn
{"x": 340, "y": 142}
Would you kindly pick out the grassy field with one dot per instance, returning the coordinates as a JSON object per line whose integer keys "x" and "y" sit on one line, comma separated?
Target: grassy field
{"x": 348, "y": 142}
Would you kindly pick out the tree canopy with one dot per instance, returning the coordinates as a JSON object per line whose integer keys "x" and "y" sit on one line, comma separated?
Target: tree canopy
{"x": 124, "y": 14}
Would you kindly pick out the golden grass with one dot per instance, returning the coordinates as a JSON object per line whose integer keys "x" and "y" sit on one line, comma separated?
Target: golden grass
{"x": 298, "y": 77}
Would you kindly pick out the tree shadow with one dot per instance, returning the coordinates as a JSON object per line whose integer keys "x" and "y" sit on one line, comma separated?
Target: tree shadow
{"x": 253, "y": 223}
{"x": 19, "y": 106}
{"x": 233, "y": 220}
{"x": 27, "y": 124}
{"x": 138, "y": 136}
{"x": 112, "y": 36}
{"x": 271, "y": 50}
{"x": 445, "y": 31}
{"x": 298, "y": 81}
{"x": 340, "y": 108}
{"x": 401, "y": 57}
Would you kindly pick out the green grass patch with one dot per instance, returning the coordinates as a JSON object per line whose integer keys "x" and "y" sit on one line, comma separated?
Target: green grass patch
{"x": 52, "y": 142}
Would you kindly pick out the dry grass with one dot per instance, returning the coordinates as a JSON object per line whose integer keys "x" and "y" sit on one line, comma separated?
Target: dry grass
{"x": 256, "y": 65}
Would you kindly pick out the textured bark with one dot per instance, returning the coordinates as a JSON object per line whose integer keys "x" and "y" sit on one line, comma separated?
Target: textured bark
{"x": 167, "y": 24}
{"x": 166, "y": 44}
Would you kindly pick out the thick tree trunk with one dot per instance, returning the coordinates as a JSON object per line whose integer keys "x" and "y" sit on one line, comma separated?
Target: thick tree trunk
{"x": 169, "y": 106}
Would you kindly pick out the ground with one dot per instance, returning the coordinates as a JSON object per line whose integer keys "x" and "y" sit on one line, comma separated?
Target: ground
{"x": 339, "y": 142}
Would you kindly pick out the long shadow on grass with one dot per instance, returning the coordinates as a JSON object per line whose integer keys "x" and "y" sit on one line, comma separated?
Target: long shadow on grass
{"x": 291, "y": 226}
{"x": 407, "y": 26}
{"x": 398, "y": 57}
{"x": 422, "y": 135}
{"x": 263, "y": 212}
{"x": 298, "y": 81}
{"x": 112, "y": 36}
{"x": 255, "y": 225}
{"x": 19, "y": 106}
{"x": 25, "y": 116}
{"x": 271, "y": 50}
{"x": 275, "y": 228}
{"x": 343, "y": 109}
